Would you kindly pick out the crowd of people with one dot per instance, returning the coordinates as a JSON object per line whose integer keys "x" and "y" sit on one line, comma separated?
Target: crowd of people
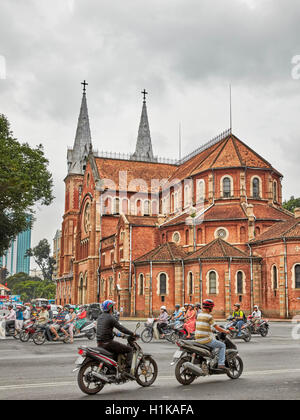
{"x": 189, "y": 313}
{"x": 68, "y": 319}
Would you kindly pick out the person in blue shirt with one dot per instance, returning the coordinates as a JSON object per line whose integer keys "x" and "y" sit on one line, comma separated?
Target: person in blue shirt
{"x": 19, "y": 319}
{"x": 178, "y": 314}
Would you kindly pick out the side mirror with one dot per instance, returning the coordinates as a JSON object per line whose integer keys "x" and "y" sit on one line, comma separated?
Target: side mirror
{"x": 137, "y": 326}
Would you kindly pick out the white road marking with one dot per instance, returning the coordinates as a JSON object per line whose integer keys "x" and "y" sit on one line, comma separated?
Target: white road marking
{"x": 164, "y": 378}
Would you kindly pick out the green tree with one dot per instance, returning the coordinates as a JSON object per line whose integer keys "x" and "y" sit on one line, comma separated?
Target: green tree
{"x": 24, "y": 182}
{"x": 41, "y": 256}
{"x": 292, "y": 203}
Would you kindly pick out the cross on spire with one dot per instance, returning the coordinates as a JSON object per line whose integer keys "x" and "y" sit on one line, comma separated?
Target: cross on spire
{"x": 84, "y": 83}
{"x": 144, "y": 93}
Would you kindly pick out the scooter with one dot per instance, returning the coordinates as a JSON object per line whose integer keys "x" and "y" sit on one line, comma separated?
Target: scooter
{"x": 98, "y": 367}
{"x": 29, "y": 328}
{"x": 10, "y": 330}
{"x": 245, "y": 330}
{"x": 194, "y": 360}
{"x": 87, "y": 330}
{"x": 151, "y": 331}
{"x": 180, "y": 333}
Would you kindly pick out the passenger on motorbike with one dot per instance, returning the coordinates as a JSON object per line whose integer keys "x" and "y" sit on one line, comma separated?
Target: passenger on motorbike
{"x": 204, "y": 333}
{"x": 43, "y": 316}
{"x": 81, "y": 318}
{"x": 198, "y": 308}
{"x": 162, "y": 320}
{"x": 19, "y": 319}
{"x": 239, "y": 317}
{"x": 190, "y": 320}
{"x": 70, "y": 318}
{"x": 105, "y": 336}
{"x": 59, "y": 321}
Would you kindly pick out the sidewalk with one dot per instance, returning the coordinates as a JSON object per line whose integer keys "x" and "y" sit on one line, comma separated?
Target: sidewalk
{"x": 218, "y": 320}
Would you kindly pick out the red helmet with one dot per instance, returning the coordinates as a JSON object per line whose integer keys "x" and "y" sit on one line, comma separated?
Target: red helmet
{"x": 208, "y": 304}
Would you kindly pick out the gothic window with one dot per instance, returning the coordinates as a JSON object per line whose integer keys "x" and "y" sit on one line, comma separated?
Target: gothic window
{"x": 255, "y": 188}
{"x": 187, "y": 196}
{"x": 275, "y": 278}
{"x": 190, "y": 284}
{"x": 226, "y": 187}
{"x": 187, "y": 237}
{"x": 297, "y": 276}
{"x": 87, "y": 218}
{"x": 212, "y": 283}
{"x": 162, "y": 284}
{"x": 139, "y": 208}
{"x": 239, "y": 285}
{"x": 110, "y": 285}
{"x": 116, "y": 206}
{"x": 257, "y": 231}
{"x": 141, "y": 284}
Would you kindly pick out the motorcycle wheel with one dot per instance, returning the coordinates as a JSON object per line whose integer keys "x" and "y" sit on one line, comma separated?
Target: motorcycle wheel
{"x": 39, "y": 338}
{"x": 146, "y": 335}
{"x": 146, "y": 372}
{"x": 91, "y": 335}
{"x": 264, "y": 331}
{"x": 236, "y": 367}
{"x": 86, "y": 382}
{"x": 182, "y": 375}
{"x": 247, "y": 336}
{"x": 16, "y": 336}
{"x": 173, "y": 337}
{"x": 24, "y": 336}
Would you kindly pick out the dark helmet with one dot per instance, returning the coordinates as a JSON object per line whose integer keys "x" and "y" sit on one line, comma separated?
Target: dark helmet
{"x": 198, "y": 305}
{"x": 177, "y": 306}
{"x": 48, "y": 307}
{"x": 208, "y": 304}
{"x": 237, "y": 305}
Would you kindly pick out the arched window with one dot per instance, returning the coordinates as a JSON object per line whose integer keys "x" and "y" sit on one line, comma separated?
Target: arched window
{"x": 187, "y": 196}
{"x": 187, "y": 237}
{"x": 139, "y": 208}
{"x": 200, "y": 193}
{"x": 275, "y": 278}
{"x": 255, "y": 188}
{"x": 239, "y": 282}
{"x": 162, "y": 284}
{"x": 257, "y": 231}
{"x": 111, "y": 280}
{"x": 146, "y": 208}
{"x": 141, "y": 284}
{"x": 226, "y": 187}
{"x": 116, "y": 206}
{"x": 212, "y": 283}
{"x": 275, "y": 195}
{"x": 297, "y": 276}
{"x": 190, "y": 284}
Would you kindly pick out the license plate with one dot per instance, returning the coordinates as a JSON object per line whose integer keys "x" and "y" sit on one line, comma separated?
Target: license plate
{"x": 79, "y": 360}
{"x": 176, "y": 356}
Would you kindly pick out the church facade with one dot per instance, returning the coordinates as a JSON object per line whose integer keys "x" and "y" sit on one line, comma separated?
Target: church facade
{"x": 147, "y": 232}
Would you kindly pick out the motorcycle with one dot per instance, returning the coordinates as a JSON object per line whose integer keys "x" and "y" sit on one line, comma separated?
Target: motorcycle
{"x": 87, "y": 330}
{"x": 245, "y": 330}
{"x": 29, "y": 328}
{"x": 98, "y": 367}
{"x": 194, "y": 360}
{"x": 151, "y": 331}
{"x": 261, "y": 328}
{"x": 180, "y": 333}
{"x": 43, "y": 334}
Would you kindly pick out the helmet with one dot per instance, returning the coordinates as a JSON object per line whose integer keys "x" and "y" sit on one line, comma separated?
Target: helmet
{"x": 198, "y": 305}
{"x": 163, "y": 307}
{"x": 48, "y": 307}
{"x": 182, "y": 309}
{"x": 192, "y": 305}
{"x": 255, "y": 306}
{"x": 107, "y": 305}
{"x": 208, "y": 304}
{"x": 186, "y": 304}
{"x": 237, "y": 305}
{"x": 177, "y": 306}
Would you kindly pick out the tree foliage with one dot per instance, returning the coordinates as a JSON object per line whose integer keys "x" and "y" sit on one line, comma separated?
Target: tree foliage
{"x": 24, "y": 182}
{"x": 30, "y": 287}
{"x": 292, "y": 203}
{"x": 41, "y": 255}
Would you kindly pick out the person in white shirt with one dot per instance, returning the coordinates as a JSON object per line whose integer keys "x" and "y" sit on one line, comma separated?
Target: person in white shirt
{"x": 10, "y": 318}
{"x": 256, "y": 314}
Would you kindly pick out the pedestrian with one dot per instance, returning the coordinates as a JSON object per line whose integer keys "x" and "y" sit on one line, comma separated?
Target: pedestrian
{"x": 19, "y": 319}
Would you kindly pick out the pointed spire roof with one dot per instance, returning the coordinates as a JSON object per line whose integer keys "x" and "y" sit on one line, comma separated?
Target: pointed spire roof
{"x": 143, "y": 150}
{"x": 83, "y": 140}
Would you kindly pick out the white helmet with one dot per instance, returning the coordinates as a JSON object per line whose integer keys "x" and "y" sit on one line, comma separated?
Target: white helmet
{"x": 163, "y": 307}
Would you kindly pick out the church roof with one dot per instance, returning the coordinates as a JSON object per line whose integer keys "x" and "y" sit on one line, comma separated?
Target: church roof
{"x": 142, "y": 220}
{"x": 229, "y": 151}
{"x": 168, "y": 251}
{"x": 284, "y": 229}
{"x": 217, "y": 249}
{"x": 134, "y": 172}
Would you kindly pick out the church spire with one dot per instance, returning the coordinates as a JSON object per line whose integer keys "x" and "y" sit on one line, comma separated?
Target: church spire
{"x": 83, "y": 141}
{"x": 143, "y": 150}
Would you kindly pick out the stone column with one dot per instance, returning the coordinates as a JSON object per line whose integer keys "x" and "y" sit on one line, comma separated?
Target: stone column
{"x": 281, "y": 287}
{"x": 178, "y": 285}
{"x": 227, "y": 294}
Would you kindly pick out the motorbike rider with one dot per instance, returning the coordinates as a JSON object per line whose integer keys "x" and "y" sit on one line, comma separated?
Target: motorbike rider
{"x": 178, "y": 314}
{"x": 70, "y": 318}
{"x": 239, "y": 317}
{"x": 162, "y": 320}
{"x": 204, "y": 333}
{"x": 19, "y": 319}
{"x": 43, "y": 316}
{"x": 198, "y": 308}
{"x": 256, "y": 316}
{"x": 106, "y": 322}
{"x": 10, "y": 319}
{"x": 59, "y": 321}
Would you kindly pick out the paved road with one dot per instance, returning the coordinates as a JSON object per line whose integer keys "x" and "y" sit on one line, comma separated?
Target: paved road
{"x": 271, "y": 371}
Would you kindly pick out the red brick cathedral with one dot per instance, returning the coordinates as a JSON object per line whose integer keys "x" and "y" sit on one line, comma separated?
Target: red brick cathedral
{"x": 147, "y": 232}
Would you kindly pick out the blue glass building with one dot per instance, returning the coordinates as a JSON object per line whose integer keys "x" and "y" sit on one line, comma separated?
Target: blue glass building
{"x": 14, "y": 259}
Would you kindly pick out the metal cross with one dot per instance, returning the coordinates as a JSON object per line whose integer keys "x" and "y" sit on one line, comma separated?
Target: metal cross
{"x": 84, "y": 83}
{"x": 144, "y": 92}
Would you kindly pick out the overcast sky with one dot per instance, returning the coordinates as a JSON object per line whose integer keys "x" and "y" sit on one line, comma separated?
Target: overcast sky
{"x": 184, "y": 52}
